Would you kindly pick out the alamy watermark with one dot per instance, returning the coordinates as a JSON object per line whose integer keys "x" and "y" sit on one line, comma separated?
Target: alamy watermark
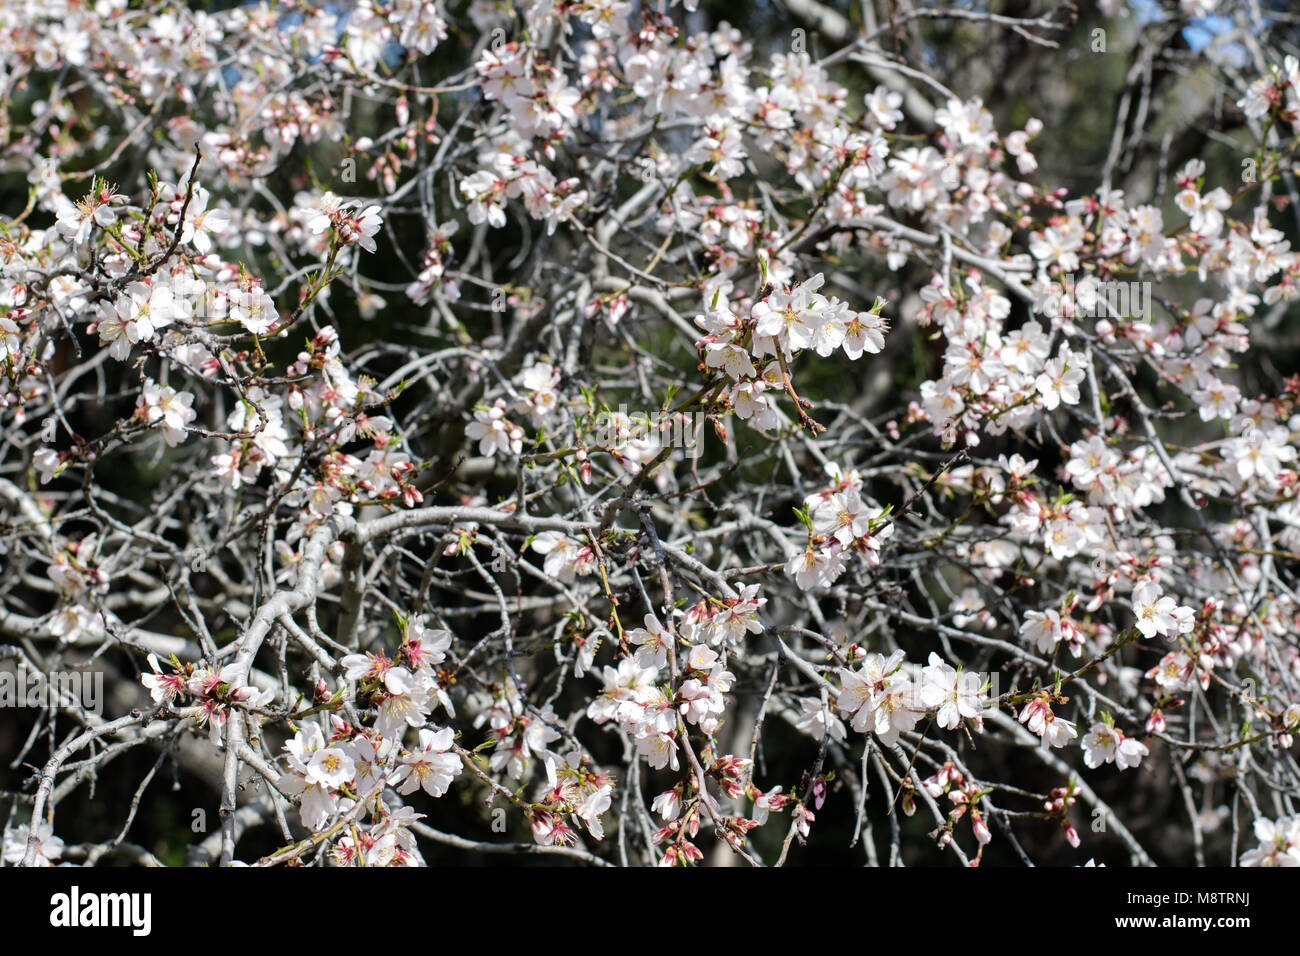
{"x": 79, "y": 910}
{"x": 1093, "y": 298}
{"x": 22, "y": 688}
{"x": 658, "y": 429}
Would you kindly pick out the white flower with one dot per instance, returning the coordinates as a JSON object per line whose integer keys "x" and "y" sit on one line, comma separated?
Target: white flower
{"x": 879, "y": 698}
{"x": 134, "y": 317}
{"x": 1042, "y": 629}
{"x": 628, "y": 689}
{"x": 321, "y": 212}
{"x": 1054, "y": 731}
{"x": 1259, "y": 453}
{"x": 406, "y": 703}
{"x": 48, "y": 846}
{"x": 1159, "y": 615}
{"x": 1279, "y": 843}
{"x": 162, "y": 687}
{"x": 564, "y": 556}
{"x": 812, "y": 720}
{"x": 763, "y": 805}
{"x": 429, "y": 767}
{"x": 1216, "y": 399}
{"x": 1130, "y": 753}
{"x": 957, "y": 695}
{"x": 163, "y": 405}
{"x": 1058, "y": 732}
{"x": 1059, "y": 382}
{"x": 668, "y": 805}
{"x": 653, "y": 642}
{"x": 844, "y": 516}
{"x": 732, "y": 359}
{"x": 883, "y": 105}
{"x": 592, "y": 806}
{"x": 1206, "y": 211}
{"x": 46, "y": 461}
{"x": 254, "y": 310}
{"x": 317, "y": 802}
{"x": 202, "y": 224}
{"x": 864, "y": 332}
{"x": 815, "y": 567}
{"x": 11, "y": 343}
{"x": 791, "y": 317}
{"x": 486, "y": 193}
{"x": 1099, "y": 745}
{"x": 493, "y": 432}
{"x": 330, "y": 767}
{"x": 542, "y": 382}
{"x": 367, "y": 224}
{"x": 75, "y": 220}
{"x": 660, "y": 750}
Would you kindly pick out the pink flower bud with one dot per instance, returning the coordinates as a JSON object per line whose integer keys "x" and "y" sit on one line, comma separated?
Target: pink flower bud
{"x": 1071, "y": 834}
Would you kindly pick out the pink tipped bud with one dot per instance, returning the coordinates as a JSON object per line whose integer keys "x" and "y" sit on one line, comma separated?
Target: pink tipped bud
{"x": 1071, "y": 834}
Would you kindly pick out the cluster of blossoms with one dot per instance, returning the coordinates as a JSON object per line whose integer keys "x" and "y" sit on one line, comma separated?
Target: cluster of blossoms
{"x": 577, "y": 789}
{"x": 79, "y": 582}
{"x": 778, "y": 327}
{"x": 342, "y": 776}
{"x": 346, "y": 221}
{"x": 207, "y": 695}
{"x": 964, "y": 795}
{"x": 1040, "y": 719}
{"x": 494, "y": 432}
{"x": 684, "y": 807}
{"x": 565, "y": 557}
{"x": 887, "y": 695}
{"x": 518, "y": 735}
{"x": 632, "y": 699}
{"x": 1105, "y": 743}
{"x": 406, "y": 688}
{"x": 840, "y": 524}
